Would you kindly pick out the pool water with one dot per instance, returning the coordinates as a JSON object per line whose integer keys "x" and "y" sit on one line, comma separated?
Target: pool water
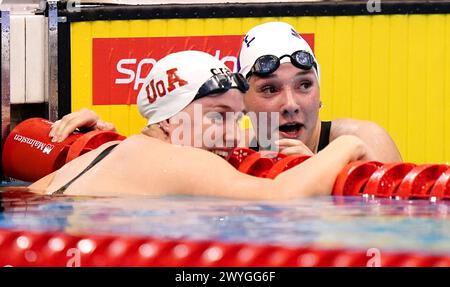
{"x": 330, "y": 222}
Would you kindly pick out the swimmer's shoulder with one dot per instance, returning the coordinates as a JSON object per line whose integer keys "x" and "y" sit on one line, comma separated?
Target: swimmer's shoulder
{"x": 137, "y": 143}
{"x": 42, "y": 184}
{"x": 146, "y": 145}
{"x": 355, "y": 127}
{"x": 141, "y": 140}
{"x": 68, "y": 171}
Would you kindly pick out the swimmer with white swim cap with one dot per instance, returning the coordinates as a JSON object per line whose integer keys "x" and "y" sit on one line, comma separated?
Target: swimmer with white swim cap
{"x": 142, "y": 165}
{"x": 193, "y": 96}
{"x": 284, "y": 77}
{"x": 165, "y": 102}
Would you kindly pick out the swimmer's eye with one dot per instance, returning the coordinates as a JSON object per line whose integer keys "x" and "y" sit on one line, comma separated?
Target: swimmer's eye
{"x": 305, "y": 85}
{"x": 268, "y": 89}
{"x": 217, "y": 117}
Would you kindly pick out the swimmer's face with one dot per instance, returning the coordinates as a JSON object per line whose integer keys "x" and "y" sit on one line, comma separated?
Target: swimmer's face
{"x": 294, "y": 94}
{"x": 213, "y": 123}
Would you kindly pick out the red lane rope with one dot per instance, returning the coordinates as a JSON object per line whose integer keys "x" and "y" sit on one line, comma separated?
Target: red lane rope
{"x": 29, "y": 142}
{"x": 26, "y": 248}
{"x": 392, "y": 180}
{"x": 403, "y": 180}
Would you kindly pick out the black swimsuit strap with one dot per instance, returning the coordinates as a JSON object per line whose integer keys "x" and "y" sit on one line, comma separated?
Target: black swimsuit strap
{"x": 324, "y": 139}
{"x": 99, "y": 157}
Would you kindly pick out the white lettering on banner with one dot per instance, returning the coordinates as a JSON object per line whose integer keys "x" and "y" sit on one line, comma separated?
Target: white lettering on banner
{"x": 226, "y": 59}
{"x": 139, "y": 79}
{"x": 45, "y": 148}
{"x": 125, "y": 71}
{"x": 130, "y": 73}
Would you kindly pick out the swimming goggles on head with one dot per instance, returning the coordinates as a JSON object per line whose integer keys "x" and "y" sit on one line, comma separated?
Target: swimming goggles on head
{"x": 267, "y": 64}
{"x": 221, "y": 83}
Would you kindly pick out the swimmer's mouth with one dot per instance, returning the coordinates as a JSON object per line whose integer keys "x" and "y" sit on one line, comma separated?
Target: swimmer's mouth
{"x": 291, "y": 130}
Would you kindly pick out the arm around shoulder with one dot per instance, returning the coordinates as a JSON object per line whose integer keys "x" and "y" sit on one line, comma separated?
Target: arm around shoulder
{"x": 379, "y": 142}
{"x": 191, "y": 171}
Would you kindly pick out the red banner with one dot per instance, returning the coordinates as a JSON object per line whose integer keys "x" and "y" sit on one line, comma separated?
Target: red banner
{"x": 121, "y": 65}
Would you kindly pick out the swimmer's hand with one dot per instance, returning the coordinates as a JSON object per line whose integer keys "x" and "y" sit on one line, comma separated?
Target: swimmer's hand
{"x": 83, "y": 118}
{"x": 292, "y": 146}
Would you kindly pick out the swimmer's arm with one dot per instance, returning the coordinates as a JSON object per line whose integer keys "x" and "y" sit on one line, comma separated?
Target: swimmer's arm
{"x": 380, "y": 143}
{"x": 318, "y": 174}
{"x": 196, "y": 172}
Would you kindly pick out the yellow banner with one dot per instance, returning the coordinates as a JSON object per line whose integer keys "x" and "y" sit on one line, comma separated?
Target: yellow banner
{"x": 391, "y": 69}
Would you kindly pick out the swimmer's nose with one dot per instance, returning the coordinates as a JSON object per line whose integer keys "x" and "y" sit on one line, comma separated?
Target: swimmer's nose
{"x": 290, "y": 106}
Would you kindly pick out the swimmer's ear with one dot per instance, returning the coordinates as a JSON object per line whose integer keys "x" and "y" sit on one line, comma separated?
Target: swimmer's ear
{"x": 164, "y": 125}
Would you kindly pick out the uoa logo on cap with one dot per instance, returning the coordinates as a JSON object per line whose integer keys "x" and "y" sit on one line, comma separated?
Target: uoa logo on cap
{"x": 161, "y": 88}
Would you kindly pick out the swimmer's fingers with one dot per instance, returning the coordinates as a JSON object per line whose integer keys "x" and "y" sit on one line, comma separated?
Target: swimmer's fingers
{"x": 296, "y": 150}
{"x": 56, "y": 130}
{"x": 289, "y": 142}
{"x": 69, "y": 123}
{"x": 105, "y": 126}
{"x": 53, "y": 129}
{"x": 292, "y": 146}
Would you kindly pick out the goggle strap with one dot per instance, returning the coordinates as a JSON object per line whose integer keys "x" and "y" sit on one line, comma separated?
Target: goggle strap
{"x": 216, "y": 84}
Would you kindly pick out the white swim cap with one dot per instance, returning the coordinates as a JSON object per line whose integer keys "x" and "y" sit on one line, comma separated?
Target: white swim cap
{"x": 174, "y": 82}
{"x": 273, "y": 38}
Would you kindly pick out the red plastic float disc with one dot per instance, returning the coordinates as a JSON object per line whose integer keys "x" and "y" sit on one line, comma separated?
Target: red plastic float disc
{"x": 286, "y": 163}
{"x": 237, "y": 156}
{"x": 259, "y": 163}
{"x": 419, "y": 181}
{"x": 28, "y": 152}
{"x": 316, "y": 258}
{"x": 91, "y": 141}
{"x": 352, "y": 179}
{"x": 441, "y": 188}
{"x": 350, "y": 258}
{"x": 385, "y": 180}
